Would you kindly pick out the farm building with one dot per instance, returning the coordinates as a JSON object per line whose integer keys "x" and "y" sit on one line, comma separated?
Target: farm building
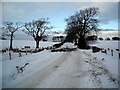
{"x": 56, "y": 37}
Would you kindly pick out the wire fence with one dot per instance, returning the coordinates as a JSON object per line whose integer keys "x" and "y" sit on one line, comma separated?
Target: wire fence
{"x": 20, "y": 52}
{"x": 112, "y": 52}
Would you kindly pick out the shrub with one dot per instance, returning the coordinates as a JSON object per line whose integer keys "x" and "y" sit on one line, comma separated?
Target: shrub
{"x": 91, "y": 38}
{"x": 107, "y": 38}
{"x": 115, "y": 38}
{"x": 100, "y": 38}
{"x": 58, "y": 45}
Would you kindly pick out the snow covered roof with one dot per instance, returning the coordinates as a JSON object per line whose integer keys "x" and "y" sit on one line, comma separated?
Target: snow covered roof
{"x": 56, "y": 34}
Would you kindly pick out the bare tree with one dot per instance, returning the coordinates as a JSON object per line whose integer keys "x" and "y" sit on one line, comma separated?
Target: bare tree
{"x": 36, "y": 29}
{"x": 8, "y": 29}
{"x": 3, "y": 33}
{"x": 82, "y": 24}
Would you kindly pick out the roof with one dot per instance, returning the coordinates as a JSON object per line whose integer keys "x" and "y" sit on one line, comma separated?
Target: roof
{"x": 56, "y": 34}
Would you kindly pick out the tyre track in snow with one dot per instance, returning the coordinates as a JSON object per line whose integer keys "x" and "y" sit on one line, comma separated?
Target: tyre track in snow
{"x": 71, "y": 74}
{"x": 32, "y": 80}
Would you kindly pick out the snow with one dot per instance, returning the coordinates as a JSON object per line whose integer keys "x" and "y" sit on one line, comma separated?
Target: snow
{"x": 46, "y": 69}
{"x": 39, "y": 62}
{"x": 22, "y": 43}
{"x": 112, "y": 44}
{"x": 55, "y": 35}
{"x": 68, "y": 45}
{"x": 67, "y": 75}
{"x": 110, "y": 34}
{"x": 110, "y": 62}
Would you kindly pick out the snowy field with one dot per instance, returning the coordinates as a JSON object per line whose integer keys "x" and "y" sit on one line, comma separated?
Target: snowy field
{"x": 22, "y": 43}
{"x": 46, "y": 69}
{"x": 112, "y": 44}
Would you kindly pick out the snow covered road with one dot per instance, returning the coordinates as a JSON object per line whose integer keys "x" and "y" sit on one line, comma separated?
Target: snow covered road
{"x": 73, "y": 69}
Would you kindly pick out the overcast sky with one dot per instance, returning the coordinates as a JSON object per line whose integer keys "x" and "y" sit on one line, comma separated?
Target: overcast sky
{"x": 58, "y": 11}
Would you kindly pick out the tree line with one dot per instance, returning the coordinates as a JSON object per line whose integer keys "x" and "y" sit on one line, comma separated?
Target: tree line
{"x": 79, "y": 27}
{"x": 107, "y": 38}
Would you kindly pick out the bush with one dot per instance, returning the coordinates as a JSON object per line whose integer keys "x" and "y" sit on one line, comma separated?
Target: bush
{"x": 95, "y": 49}
{"x": 107, "y": 38}
{"x": 44, "y": 40}
{"x": 100, "y": 38}
{"x": 115, "y": 38}
{"x": 64, "y": 50}
{"x": 58, "y": 45}
{"x": 15, "y": 49}
{"x": 91, "y": 38}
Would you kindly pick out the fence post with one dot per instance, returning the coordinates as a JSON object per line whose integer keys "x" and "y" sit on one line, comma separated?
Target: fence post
{"x": 20, "y": 55}
{"x": 119, "y": 55}
{"x": 26, "y": 52}
{"x": 10, "y": 55}
{"x": 108, "y": 51}
{"x": 31, "y": 51}
{"x": 112, "y": 52}
{"x": 105, "y": 51}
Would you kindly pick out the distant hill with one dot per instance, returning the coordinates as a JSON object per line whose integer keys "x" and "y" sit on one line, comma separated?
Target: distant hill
{"x": 108, "y": 30}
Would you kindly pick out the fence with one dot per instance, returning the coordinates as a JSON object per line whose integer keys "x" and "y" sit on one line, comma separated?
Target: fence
{"x": 19, "y": 52}
{"x": 108, "y": 51}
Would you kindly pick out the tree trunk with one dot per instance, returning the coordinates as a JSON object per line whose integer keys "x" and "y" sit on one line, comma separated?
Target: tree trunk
{"x": 11, "y": 39}
{"x": 37, "y": 44}
{"x": 75, "y": 41}
{"x": 82, "y": 44}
